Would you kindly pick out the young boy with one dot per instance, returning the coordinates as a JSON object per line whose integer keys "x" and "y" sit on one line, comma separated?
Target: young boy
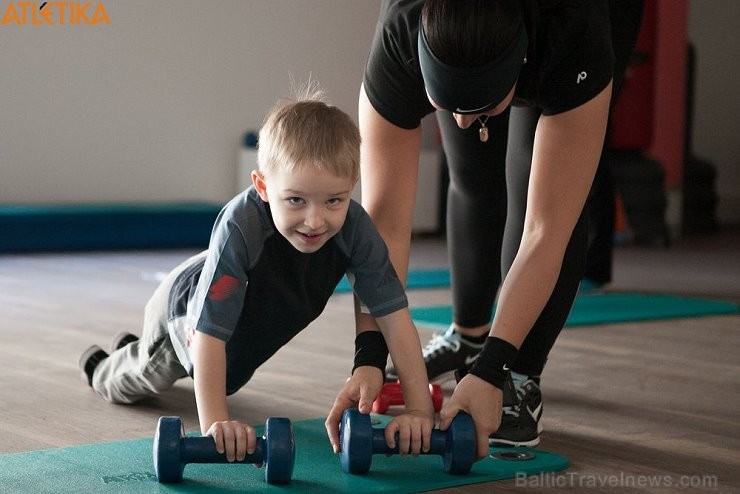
{"x": 276, "y": 253}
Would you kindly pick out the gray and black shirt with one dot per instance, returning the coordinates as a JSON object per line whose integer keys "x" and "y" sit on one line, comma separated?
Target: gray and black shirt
{"x": 255, "y": 291}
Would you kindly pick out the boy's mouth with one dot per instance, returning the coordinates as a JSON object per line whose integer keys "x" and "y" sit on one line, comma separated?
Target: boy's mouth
{"x": 311, "y": 237}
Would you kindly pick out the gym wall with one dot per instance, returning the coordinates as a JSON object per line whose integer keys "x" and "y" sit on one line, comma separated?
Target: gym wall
{"x": 152, "y": 107}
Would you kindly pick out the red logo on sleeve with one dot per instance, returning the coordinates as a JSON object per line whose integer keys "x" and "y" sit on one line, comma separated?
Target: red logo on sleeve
{"x": 223, "y": 288}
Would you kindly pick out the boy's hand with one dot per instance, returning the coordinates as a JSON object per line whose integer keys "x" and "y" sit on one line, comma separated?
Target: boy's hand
{"x": 482, "y": 401}
{"x": 414, "y": 430}
{"x": 359, "y": 392}
{"x": 234, "y": 438}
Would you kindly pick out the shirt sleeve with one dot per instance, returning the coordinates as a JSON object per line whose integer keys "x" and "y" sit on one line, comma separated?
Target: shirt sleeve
{"x": 219, "y": 298}
{"x": 392, "y": 79}
{"x": 371, "y": 273}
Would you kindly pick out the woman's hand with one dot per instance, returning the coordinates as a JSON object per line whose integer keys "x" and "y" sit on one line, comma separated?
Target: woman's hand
{"x": 482, "y": 401}
{"x": 359, "y": 392}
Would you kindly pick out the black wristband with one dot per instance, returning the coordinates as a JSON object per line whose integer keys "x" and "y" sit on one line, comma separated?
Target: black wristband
{"x": 370, "y": 349}
{"x": 494, "y": 361}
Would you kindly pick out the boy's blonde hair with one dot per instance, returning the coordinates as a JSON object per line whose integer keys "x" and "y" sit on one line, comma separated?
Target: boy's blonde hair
{"x": 305, "y": 130}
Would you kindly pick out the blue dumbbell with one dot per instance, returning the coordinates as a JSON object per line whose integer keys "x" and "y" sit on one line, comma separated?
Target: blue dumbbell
{"x": 359, "y": 441}
{"x": 172, "y": 450}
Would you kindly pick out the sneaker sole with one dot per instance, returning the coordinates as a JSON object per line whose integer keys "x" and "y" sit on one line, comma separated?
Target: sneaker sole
{"x": 115, "y": 343}
{"x": 444, "y": 377}
{"x": 86, "y": 356}
{"x": 516, "y": 444}
{"x": 441, "y": 378}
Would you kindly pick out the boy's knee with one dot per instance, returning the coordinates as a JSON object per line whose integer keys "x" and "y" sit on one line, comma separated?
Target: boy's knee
{"x": 116, "y": 398}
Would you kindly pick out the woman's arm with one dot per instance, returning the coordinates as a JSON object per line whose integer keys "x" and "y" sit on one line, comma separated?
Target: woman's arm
{"x": 389, "y": 160}
{"x": 566, "y": 153}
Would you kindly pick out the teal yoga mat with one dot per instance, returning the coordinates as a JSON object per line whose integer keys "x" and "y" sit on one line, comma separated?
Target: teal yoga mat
{"x": 116, "y": 226}
{"x": 607, "y": 308}
{"x": 126, "y": 467}
{"x": 419, "y": 278}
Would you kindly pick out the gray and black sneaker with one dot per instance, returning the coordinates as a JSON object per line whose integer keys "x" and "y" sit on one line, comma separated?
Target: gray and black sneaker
{"x": 121, "y": 340}
{"x": 89, "y": 360}
{"x": 443, "y": 355}
{"x": 520, "y": 420}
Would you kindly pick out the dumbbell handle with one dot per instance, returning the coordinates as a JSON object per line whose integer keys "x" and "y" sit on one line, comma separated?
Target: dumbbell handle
{"x": 203, "y": 450}
{"x": 437, "y": 443}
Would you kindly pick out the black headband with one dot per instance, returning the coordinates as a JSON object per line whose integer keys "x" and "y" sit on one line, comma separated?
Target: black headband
{"x": 469, "y": 90}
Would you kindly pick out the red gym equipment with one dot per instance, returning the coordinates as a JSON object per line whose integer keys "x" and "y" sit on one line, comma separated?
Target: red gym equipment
{"x": 391, "y": 394}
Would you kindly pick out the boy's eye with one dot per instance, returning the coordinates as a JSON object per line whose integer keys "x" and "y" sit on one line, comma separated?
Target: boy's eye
{"x": 334, "y": 201}
{"x": 295, "y": 201}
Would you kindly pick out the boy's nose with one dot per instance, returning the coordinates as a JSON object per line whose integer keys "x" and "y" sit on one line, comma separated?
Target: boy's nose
{"x": 314, "y": 220}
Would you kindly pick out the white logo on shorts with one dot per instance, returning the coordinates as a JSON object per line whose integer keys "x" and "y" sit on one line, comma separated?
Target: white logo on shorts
{"x": 581, "y": 77}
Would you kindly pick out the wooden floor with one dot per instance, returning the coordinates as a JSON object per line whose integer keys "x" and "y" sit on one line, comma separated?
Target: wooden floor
{"x": 642, "y": 407}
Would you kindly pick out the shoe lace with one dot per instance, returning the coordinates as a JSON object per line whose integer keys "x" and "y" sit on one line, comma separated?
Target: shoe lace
{"x": 515, "y": 410}
{"x": 439, "y": 344}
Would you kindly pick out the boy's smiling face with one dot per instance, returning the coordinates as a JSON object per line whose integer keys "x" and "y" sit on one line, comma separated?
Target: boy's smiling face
{"x": 308, "y": 206}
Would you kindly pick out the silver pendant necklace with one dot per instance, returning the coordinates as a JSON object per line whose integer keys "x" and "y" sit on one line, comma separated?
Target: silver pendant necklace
{"x": 483, "y": 131}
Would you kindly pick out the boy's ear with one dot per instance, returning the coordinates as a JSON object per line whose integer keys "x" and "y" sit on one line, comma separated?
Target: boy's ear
{"x": 258, "y": 179}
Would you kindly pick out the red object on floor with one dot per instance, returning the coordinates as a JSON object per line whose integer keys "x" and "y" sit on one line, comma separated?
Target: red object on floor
{"x": 391, "y": 394}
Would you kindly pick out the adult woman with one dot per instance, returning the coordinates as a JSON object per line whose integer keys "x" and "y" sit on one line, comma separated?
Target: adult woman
{"x": 519, "y": 175}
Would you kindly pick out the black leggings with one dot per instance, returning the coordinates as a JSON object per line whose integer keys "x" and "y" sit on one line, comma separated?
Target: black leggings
{"x": 486, "y": 204}
{"x": 626, "y": 19}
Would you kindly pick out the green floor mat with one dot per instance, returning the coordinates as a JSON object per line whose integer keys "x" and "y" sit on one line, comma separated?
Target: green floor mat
{"x": 607, "y": 308}
{"x": 126, "y": 467}
{"x": 418, "y": 278}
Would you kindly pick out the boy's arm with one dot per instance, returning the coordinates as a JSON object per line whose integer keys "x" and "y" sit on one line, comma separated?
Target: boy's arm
{"x": 414, "y": 427}
{"x": 209, "y": 361}
{"x": 403, "y": 345}
{"x": 412, "y": 430}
